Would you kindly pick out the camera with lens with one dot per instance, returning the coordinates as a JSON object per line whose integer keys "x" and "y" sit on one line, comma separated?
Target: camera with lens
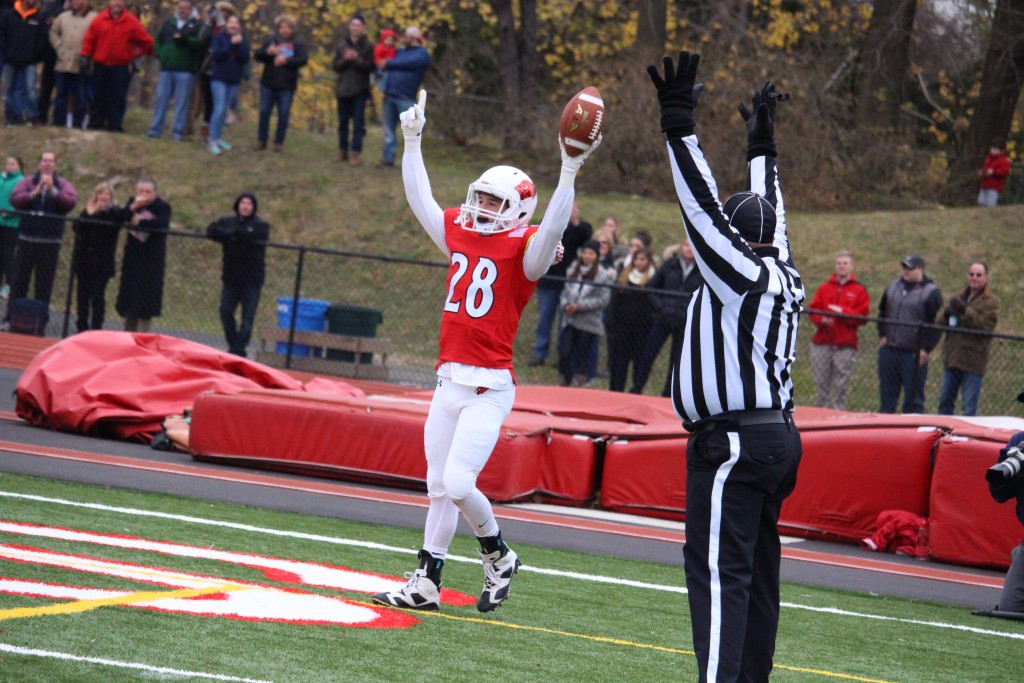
{"x": 1009, "y": 468}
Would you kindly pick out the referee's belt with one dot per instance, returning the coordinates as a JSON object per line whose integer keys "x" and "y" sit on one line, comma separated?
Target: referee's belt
{"x": 736, "y": 419}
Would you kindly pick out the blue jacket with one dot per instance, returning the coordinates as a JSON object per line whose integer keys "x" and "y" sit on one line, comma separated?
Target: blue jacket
{"x": 229, "y": 59}
{"x": 406, "y": 71}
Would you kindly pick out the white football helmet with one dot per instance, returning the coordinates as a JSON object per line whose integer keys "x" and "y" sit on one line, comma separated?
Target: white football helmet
{"x": 516, "y": 197}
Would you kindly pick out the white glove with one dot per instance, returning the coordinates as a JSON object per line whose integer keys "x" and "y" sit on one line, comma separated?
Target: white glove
{"x": 559, "y": 252}
{"x": 413, "y": 118}
{"x": 572, "y": 164}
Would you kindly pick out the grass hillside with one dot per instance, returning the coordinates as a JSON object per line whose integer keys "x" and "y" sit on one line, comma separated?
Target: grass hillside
{"x": 311, "y": 200}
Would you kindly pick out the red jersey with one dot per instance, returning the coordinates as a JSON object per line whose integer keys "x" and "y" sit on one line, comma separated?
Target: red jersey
{"x": 487, "y": 291}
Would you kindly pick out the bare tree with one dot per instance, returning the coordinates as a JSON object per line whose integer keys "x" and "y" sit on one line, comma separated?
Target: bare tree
{"x": 883, "y": 64}
{"x": 1001, "y": 80}
{"x": 650, "y": 29}
{"x": 520, "y": 64}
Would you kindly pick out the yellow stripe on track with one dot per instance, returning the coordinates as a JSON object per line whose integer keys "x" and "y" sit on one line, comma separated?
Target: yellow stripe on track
{"x": 120, "y": 601}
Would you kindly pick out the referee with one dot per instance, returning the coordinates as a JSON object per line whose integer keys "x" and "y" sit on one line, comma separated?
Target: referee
{"x": 732, "y": 385}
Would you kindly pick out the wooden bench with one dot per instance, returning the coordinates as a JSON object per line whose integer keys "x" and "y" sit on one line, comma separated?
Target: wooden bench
{"x": 377, "y": 348}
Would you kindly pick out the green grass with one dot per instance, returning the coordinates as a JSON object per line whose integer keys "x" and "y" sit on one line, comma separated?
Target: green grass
{"x": 555, "y": 627}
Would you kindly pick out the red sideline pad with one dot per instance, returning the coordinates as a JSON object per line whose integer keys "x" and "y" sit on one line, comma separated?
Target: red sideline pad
{"x": 547, "y": 448}
{"x": 849, "y": 475}
{"x": 380, "y": 439}
{"x": 645, "y": 477}
{"x": 966, "y": 525}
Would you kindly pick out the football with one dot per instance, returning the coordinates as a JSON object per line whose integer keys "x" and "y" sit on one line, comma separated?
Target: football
{"x": 582, "y": 121}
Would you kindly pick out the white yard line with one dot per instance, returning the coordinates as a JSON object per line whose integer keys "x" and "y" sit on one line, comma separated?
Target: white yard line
{"x": 162, "y": 670}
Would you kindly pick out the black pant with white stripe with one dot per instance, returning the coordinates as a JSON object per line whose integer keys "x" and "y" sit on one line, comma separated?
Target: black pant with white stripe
{"x": 735, "y": 484}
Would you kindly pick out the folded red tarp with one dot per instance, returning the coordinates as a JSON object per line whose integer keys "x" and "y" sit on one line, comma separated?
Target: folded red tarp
{"x": 123, "y": 385}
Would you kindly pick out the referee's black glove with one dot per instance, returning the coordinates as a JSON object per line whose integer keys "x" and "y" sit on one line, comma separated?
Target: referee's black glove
{"x": 677, "y": 94}
{"x": 761, "y": 123}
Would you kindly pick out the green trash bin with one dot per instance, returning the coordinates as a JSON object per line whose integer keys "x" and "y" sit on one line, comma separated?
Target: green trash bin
{"x": 354, "y": 321}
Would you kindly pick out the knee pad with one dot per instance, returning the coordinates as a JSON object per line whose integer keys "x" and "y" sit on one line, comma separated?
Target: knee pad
{"x": 458, "y": 485}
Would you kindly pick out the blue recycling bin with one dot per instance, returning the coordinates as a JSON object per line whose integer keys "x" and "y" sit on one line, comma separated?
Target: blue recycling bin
{"x": 310, "y": 316}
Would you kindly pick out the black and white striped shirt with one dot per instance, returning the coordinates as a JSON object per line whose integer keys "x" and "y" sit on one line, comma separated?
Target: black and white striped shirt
{"x": 741, "y": 324}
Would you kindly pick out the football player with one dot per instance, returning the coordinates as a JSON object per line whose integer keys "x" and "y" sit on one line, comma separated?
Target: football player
{"x": 496, "y": 257}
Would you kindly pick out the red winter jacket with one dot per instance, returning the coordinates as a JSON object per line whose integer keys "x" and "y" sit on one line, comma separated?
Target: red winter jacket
{"x": 1000, "y": 167}
{"x": 852, "y": 298}
{"x": 116, "y": 42}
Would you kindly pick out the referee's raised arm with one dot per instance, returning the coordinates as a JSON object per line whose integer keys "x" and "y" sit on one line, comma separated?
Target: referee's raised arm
{"x": 732, "y": 384}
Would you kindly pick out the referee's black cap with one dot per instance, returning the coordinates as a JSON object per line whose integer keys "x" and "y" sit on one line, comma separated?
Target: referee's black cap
{"x": 752, "y": 217}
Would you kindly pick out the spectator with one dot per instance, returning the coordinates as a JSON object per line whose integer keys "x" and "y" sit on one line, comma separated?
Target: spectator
{"x": 1006, "y": 482}
{"x": 47, "y": 78}
{"x": 12, "y": 174}
{"x": 353, "y": 62}
{"x": 994, "y": 171}
{"x": 585, "y": 296}
{"x": 66, "y": 36}
{"x": 230, "y": 52}
{"x": 549, "y": 288}
{"x": 630, "y": 315}
{"x": 140, "y": 294}
{"x": 733, "y": 385}
{"x": 641, "y": 239}
{"x": 605, "y": 255}
{"x": 282, "y": 55}
{"x": 670, "y": 291}
{"x": 405, "y": 74}
{"x": 383, "y": 51}
{"x": 49, "y": 197}
{"x": 243, "y": 237}
{"x": 834, "y": 345}
{"x": 904, "y": 346}
{"x": 112, "y": 42}
{"x": 24, "y": 38}
{"x": 613, "y": 228}
{"x": 179, "y": 49}
{"x": 965, "y": 355}
{"x": 96, "y": 233}
{"x": 214, "y": 18}
{"x": 495, "y": 258}
{"x": 605, "y": 259}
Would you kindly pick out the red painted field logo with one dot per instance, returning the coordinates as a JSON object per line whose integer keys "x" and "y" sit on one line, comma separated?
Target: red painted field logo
{"x": 204, "y": 595}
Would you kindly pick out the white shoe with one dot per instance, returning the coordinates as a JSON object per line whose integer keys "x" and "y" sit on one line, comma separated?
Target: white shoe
{"x": 498, "y": 573}
{"x": 420, "y": 592}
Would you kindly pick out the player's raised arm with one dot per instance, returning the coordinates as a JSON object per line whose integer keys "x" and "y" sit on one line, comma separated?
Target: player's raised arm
{"x": 414, "y": 174}
{"x": 580, "y": 133}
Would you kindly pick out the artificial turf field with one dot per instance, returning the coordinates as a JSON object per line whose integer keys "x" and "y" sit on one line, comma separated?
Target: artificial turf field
{"x": 102, "y": 584}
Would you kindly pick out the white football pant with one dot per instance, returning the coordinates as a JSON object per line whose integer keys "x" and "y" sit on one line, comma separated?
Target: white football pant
{"x": 460, "y": 433}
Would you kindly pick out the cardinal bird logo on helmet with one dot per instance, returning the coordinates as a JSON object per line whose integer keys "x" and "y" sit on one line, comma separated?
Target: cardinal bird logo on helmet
{"x": 526, "y": 189}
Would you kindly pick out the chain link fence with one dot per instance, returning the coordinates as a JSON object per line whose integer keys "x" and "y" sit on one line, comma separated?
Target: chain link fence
{"x": 377, "y": 317}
